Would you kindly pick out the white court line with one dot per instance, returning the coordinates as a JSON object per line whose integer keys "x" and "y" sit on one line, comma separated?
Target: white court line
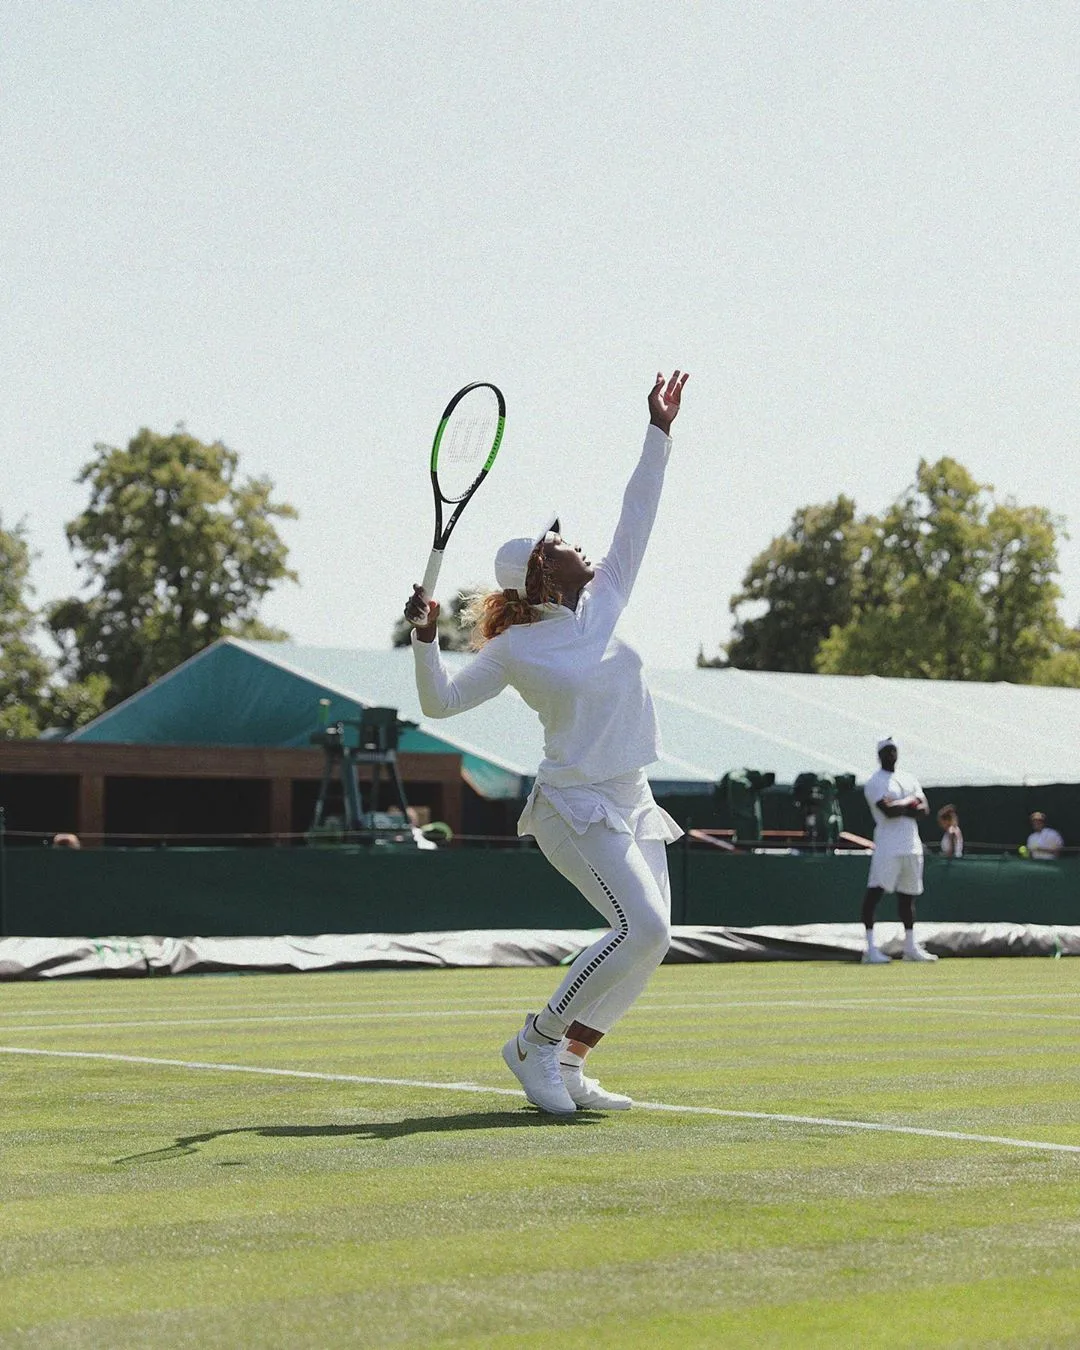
{"x": 779, "y": 1118}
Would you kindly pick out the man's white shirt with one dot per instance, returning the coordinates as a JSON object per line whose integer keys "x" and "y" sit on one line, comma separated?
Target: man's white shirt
{"x": 894, "y": 836}
{"x": 1045, "y": 843}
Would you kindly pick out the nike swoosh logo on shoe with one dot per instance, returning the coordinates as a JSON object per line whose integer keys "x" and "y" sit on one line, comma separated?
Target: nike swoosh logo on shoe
{"x": 522, "y": 1057}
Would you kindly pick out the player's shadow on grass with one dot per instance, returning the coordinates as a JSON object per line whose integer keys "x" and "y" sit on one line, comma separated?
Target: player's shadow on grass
{"x": 479, "y": 1120}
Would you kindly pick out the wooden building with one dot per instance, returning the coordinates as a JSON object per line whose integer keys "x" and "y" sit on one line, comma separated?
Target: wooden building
{"x": 195, "y": 794}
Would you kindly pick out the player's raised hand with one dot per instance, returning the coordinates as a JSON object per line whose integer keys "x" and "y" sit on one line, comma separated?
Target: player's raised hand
{"x": 422, "y": 613}
{"x": 664, "y": 403}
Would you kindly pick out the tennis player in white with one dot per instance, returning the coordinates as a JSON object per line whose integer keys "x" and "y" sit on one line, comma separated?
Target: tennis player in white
{"x": 549, "y": 631}
{"x": 896, "y": 801}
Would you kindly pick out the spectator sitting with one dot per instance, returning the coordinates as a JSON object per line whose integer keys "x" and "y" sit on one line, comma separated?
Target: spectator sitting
{"x": 419, "y": 837}
{"x": 410, "y": 821}
{"x": 1043, "y": 841}
{"x": 952, "y": 839}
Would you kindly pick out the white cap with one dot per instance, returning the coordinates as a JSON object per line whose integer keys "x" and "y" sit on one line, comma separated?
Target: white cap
{"x": 512, "y": 559}
{"x": 887, "y": 740}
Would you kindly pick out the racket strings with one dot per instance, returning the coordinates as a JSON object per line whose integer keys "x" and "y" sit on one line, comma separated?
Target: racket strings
{"x": 467, "y": 440}
{"x": 466, "y": 443}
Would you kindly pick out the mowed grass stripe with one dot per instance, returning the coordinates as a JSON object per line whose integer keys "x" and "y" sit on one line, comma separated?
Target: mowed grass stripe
{"x": 420, "y": 1007}
{"x": 913, "y": 1007}
{"x": 588, "y": 1315}
{"x": 370, "y": 1175}
{"x": 776, "y": 984}
{"x": 658, "y": 1268}
{"x": 1025, "y": 1313}
{"x": 378, "y": 1245}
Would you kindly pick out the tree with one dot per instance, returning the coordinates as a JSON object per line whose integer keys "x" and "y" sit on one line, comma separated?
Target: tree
{"x": 946, "y": 584}
{"x": 177, "y": 551}
{"x": 1061, "y": 667}
{"x": 952, "y": 586}
{"x": 1026, "y": 630}
{"x": 23, "y": 669}
{"x": 454, "y": 634}
{"x": 805, "y": 580}
{"x": 71, "y": 705}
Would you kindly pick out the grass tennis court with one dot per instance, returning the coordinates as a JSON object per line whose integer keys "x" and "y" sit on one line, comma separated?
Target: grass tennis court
{"x": 176, "y": 1205}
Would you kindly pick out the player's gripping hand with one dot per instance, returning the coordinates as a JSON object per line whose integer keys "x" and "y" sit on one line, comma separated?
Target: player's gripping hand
{"x": 422, "y": 613}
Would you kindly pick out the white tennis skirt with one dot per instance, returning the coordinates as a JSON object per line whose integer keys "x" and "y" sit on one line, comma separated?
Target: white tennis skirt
{"x": 624, "y": 803}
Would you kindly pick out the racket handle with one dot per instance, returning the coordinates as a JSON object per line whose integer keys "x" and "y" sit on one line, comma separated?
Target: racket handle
{"x": 431, "y": 576}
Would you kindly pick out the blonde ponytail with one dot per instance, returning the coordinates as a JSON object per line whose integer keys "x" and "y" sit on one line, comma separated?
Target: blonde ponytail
{"x": 492, "y": 614}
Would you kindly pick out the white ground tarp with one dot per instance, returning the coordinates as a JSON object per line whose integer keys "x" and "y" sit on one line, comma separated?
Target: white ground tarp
{"x": 27, "y": 958}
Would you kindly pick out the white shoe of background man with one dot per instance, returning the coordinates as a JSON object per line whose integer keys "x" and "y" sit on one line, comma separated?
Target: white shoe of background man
{"x": 912, "y": 950}
{"x": 873, "y": 956}
{"x": 536, "y": 1067}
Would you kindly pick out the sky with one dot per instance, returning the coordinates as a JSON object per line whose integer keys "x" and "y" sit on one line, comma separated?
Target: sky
{"x": 298, "y": 229}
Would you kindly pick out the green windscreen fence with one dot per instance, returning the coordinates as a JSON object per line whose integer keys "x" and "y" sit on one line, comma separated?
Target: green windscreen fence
{"x": 266, "y": 892}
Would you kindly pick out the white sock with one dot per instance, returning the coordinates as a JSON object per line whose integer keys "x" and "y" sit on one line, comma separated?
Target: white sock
{"x": 536, "y": 1035}
{"x": 909, "y": 940}
{"x": 568, "y": 1059}
{"x": 871, "y": 945}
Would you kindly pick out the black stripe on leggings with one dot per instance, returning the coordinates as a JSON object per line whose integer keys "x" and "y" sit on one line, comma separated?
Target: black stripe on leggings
{"x": 601, "y": 956}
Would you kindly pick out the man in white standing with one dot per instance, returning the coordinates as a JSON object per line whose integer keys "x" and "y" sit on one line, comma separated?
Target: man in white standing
{"x": 896, "y": 802}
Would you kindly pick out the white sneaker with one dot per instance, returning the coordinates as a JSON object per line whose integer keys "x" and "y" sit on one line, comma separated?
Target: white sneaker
{"x": 874, "y": 957}
{"x": 917, "y": 953}
{"x": 588, "y": 1094}
{"x": 536, "y": 1067}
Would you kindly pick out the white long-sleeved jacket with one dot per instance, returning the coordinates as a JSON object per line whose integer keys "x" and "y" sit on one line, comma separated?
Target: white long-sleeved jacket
{"x": 585, "y": 683}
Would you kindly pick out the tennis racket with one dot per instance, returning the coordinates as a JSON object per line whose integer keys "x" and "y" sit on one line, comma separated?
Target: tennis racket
{"x": 467, "y": 440}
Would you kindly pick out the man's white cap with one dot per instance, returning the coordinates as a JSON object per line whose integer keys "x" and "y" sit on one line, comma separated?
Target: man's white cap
{"x": 887, "y": 740}
{"x": 512, "y": 560}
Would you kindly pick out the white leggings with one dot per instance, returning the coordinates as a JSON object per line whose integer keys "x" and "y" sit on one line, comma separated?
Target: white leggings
{"x": 627, "y": 882}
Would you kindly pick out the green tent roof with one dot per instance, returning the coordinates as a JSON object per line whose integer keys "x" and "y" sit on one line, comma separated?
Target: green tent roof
{"x": 267, "y": 693}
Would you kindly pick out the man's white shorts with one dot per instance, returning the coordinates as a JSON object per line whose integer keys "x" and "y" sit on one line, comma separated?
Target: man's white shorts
{"x": 900, "y": 875}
